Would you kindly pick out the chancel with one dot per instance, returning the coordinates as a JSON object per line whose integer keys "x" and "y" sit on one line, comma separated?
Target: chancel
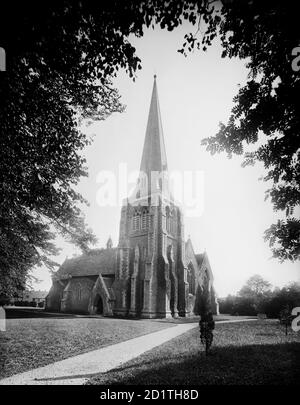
{"x": 153, "y": 272}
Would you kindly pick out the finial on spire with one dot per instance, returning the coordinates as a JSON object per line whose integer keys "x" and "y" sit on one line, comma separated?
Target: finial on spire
{"x": 155, "y": 77}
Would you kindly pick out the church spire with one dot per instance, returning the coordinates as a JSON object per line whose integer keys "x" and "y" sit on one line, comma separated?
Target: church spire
{"x": 154, "y": 153}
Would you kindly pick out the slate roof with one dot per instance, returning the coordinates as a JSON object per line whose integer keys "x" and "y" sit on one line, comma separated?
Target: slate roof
{"x": 97, "y": 261}
{"x": 199, "y": 258}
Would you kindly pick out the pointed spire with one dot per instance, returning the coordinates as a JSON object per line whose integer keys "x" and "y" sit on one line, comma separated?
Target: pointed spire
{"x": 154, "y": 156}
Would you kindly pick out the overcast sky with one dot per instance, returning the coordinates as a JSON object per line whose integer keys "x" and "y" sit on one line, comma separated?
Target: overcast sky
{"x": 195, "y": 94}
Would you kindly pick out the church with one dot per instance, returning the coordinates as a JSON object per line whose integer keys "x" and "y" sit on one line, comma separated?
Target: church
{"x": 153, "y": 272}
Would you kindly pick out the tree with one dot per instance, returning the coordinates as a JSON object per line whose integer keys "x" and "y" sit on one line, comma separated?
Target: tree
{"x": 285, "y": 318}
{"x": 61, "y": 57}
{"x": 256, "y": 295}
{"x": 226, "y": 304}
{"x": 255, "y": 286}
{"x": 47, "y": 89}
{"x": 204, "y": 308}
{"x": 287, "y": 297}
{"x": 264, "y": 33}
{"x": 256, "y": 291}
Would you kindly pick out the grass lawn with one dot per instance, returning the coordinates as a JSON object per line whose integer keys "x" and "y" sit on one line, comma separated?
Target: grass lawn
{"x": 255, "y": 352}
{"x": 34, "y": 339}
{"x": 195, "y": 319}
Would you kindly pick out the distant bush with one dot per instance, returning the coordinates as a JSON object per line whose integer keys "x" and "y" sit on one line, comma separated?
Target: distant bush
{"x": 226, "y": 304}
{"x": 270, "y": 303}
{"x": 244, "y": 306}
{"x": 4, "y": 301}
{"x": 288, "y": 297}
{"x": 234, "y": 305}
{"x": 21, "y": 303}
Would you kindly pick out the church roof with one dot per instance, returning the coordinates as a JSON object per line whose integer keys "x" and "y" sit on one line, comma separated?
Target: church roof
{"x": 96, "y": 261}
{"x": 154, "y": 156}
{"x": 199, "y": 258}
{"x": 189, "y": 251}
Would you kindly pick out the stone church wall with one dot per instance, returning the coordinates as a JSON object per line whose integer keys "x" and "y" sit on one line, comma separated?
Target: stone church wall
{"x": 54, "y": 297}
{"x": 77, "y": 294}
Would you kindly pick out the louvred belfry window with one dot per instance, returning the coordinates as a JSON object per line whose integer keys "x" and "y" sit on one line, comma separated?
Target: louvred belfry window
{"x": 145, "y": 219}
{"x": 136, "y": 221}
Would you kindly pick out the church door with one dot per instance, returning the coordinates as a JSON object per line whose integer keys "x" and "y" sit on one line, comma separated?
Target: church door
{"x": 99, "y": 305}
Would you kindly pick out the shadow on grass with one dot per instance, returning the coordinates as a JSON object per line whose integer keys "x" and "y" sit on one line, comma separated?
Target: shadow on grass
{"x": 66, "y": 377}
{"x": 271, "y": 364}
{"x": 20, "y": 313}
{"x": 23, "y": 313}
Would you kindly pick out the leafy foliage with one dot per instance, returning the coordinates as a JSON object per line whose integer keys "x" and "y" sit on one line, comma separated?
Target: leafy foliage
{"x": 206, "y": 326}
{"x": 255, "y": 292}
{"x": 257, "y": 297}
{"x": 285, "y": 298}
{"x": 285, "y": 318}
{"x": 61, "y": 58}
{"x": 264, "y": 34}
{"x": 255, "y": 287}
{"x": 50, "y": 85}
{"x": 284, "y": 239}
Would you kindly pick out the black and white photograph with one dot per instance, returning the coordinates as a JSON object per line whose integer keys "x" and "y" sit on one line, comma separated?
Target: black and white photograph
{"x": 149, "y": 196}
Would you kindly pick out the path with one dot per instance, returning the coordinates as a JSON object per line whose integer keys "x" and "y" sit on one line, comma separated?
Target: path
{"x": 78, "y": 369}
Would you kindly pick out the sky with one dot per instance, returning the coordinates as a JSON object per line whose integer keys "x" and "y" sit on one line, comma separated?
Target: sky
{"x": 195, "y": 94}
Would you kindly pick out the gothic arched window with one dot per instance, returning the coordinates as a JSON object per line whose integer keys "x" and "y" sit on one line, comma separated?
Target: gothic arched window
{"x": 172, "y": 226}
{"x": 191, "y": 280}
{"x": 168, "y": 219}
{"x": 206, "y": 279}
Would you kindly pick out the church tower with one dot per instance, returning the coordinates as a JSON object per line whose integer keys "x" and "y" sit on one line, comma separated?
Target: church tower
{"x": 151, "y": 276}
{"x": 153, "y": 272}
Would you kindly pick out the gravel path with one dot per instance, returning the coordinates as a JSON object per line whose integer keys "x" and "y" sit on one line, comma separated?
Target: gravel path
{"x": 78, "y": 369}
